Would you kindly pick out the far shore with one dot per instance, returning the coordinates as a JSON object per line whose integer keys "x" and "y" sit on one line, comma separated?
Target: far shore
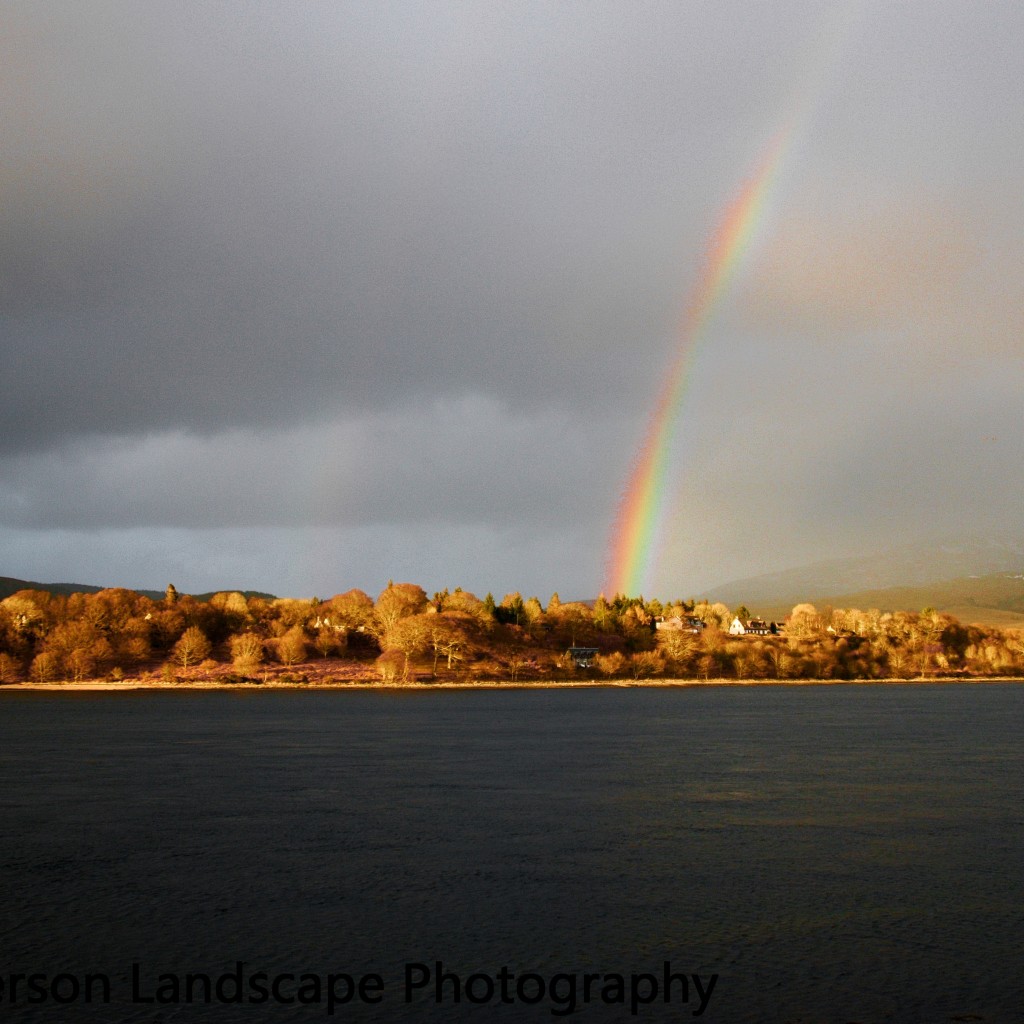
{"x": 91, "y": 685}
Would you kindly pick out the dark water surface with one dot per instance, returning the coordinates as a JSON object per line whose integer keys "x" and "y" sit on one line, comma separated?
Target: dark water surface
{"x": 834, "y": 854}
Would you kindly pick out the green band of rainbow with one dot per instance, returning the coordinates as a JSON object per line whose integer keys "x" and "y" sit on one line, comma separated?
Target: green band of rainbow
{"x": 634, "y": 541}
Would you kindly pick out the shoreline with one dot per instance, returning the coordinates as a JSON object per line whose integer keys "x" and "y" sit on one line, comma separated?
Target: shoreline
{"x": 127, "y": 685}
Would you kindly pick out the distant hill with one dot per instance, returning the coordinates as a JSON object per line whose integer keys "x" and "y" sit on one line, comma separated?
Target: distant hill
{"x": 9, "y": 585}
{"x": 994, "y": 600}
{"x": 919, "y": 566}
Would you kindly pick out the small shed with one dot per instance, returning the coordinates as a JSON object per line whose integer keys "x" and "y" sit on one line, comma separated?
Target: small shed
{"x": 582, "y": 657}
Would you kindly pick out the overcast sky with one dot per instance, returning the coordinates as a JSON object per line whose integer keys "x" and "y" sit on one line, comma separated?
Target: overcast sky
{"x": 304, "y": 297}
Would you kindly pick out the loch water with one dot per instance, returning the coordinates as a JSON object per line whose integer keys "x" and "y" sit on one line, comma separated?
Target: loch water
{"x": 832, "y": 853}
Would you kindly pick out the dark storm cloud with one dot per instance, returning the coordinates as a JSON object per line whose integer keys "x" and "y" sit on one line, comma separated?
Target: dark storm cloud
{"x": 418, "y": 269}
{"x": 471, "y": 462}
{"x": 266, "y": 217}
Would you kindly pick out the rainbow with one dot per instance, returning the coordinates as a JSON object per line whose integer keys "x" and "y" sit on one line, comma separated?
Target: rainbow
{"x": 635, "y": 534}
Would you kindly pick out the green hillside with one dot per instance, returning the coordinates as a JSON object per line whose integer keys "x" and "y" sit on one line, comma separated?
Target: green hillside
{"x": 993, "y": 600}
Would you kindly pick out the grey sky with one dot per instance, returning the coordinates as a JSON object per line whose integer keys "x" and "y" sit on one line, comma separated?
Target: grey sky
{"x": 304, "y": 297}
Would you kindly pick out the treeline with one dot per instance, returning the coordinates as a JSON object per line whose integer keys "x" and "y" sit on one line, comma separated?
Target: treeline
{"x": 405, "y": 635}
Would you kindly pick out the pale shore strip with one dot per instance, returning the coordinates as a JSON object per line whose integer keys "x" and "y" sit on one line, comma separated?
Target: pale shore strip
{"x": 124, "y": 685}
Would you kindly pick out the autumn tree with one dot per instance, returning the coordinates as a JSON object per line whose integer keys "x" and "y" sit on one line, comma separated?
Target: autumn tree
{"x": 804, "y": 620}
{"x": 410, "y": 636}
{"x": 925, "y": 633}
{"x": 645, "y": 664}
{"x": 81, "y": 664}
{"x": 293, "y": 611}
{"x": 292, "y": 647}
{"x": 512, "y": 609}
{"x": 27, "y": 617}
{"x": 449, "y": 636}
{"x": 166, "y": 626}
{"x": 397, "y": 601}
{"x": 44, "y": 668}
{"x": 637, "y": 627}
{"x": 246, "y": 652}
{"x": 1014, "y": 641}
{"x": 351, "y": 612}
{"x": 602, "y": 614}
{"x": 234, "y": 610}
{"x": 612, "y": 664}
{"x": 192, "y": 647}
{"x": 677, "y": 646}
{"x": 327, "y": 640}
{"x": 463, "y": 603}
{"x": 133, "y": 645}
{"x": 390, "y": 665}
{"x": 533, "y": 610}
{"x": 9, "y": 668}
{"x": 716, "y": 614}
{"x": 575, "y": 621}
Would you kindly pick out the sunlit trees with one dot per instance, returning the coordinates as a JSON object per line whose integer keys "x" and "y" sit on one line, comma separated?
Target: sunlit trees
{"x": 246, "y": 652}
{"x": 611, "y": 665}
{"x": 574, "y": 622}
{"x": 351, "y": 611}
{"x": 461, "y": 602}
{"x": 44, "y": 667}
{"x": 602, "y": 615}
{"x": 81, "y": 636}
{"x": 9, "y": 668}
{"x": 25, "y": 610}
{"x": 1014, "y": 641}
{"x": 925, "y": 632}
{"x": 327, "y": 640}
{"x": 646, "y": 664}
{"x": 234, "y": 610}
{"x": 518, "y": 662}
{"x": 448, "y": 636}
{"x": 390, "y": 665}
{"x": 716, "y": 614}
{"x": 292, "y": 612}
{"x": 677, "y": 646}
{"x": 533, "y": 610}
{"x": 396, "y": 602}
{"x": 292, "y": 646}
{"x": 779, "y": 658}
{"x": 636, "y": 627}
{"x": 191, "y": 648}
{"x": 410, "y": 636}
{"x": 805, "y": 620}
{"x": 512, "y": 609}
